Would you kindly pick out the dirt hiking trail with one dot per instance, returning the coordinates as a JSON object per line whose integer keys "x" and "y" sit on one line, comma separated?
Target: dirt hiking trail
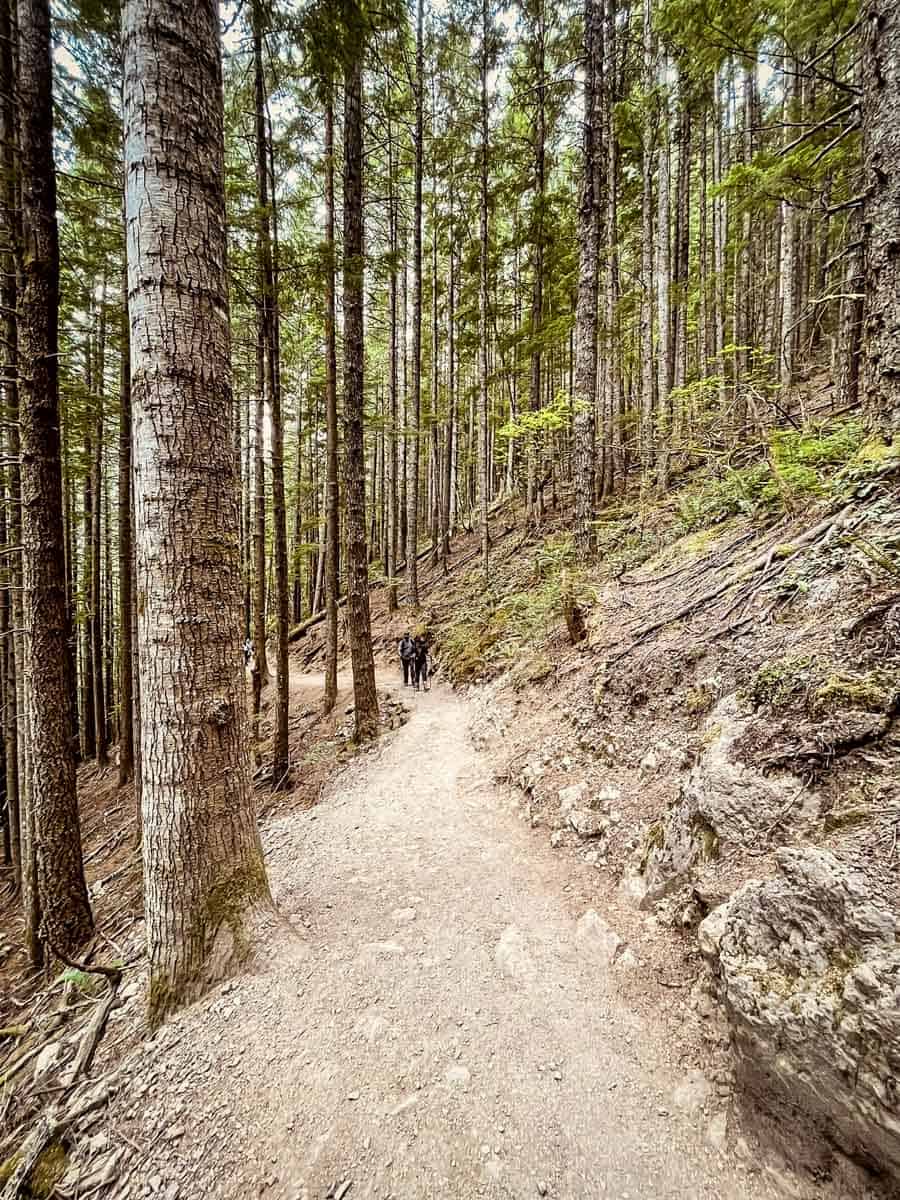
{"x": 444, "y": 1031}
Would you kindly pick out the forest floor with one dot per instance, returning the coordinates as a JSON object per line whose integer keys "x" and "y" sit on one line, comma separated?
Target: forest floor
{"x": 448, "y": 1028}
{"x": 477, "y": 1003}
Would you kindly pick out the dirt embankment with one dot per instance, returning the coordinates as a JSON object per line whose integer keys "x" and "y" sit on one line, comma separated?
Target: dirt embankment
{"x": 712, "y": 771}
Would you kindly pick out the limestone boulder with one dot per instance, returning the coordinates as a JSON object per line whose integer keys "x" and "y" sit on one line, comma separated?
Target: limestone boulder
{"x": 723, "y": 803}
{"x": 808, "y": 966}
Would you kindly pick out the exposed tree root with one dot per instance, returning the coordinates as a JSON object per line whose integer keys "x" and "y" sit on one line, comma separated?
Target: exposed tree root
{"x": 48, "y": 1129}
{"x": 819, "y": 533}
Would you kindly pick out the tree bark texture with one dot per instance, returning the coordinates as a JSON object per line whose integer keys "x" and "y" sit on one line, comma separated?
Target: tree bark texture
{"x": 96, "y": 626}
{"x": 412, "y": 499}
{"x": 589, "y": 215}
{"x": 267, "y": 235}
{"x": 483, "y": 399}
{"x": 392, "y": 461}
{"x": 648, "y": 413}
{"x": 332, "y": 494}
{"x": 205, "y": 884}
{"x": 126, "y": 566}
{"x": 65, "y": 913}
{"x": 12, "y": 682}
{"x": 881, "y": 157}
{"x": 364, "y": 693}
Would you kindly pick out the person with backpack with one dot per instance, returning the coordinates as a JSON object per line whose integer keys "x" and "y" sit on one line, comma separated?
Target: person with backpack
{"x": 408, "y": 659}
{"x": 421, "y": 662}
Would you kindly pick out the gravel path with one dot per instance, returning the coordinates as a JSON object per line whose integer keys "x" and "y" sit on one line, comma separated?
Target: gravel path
{"x": 443, "y": 1032}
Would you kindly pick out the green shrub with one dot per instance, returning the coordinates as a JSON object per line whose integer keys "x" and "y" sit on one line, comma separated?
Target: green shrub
{"x": 797, "y": 466}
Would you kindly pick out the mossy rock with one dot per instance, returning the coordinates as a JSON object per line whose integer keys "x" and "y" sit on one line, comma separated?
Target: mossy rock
{"x": 7, "y": 1168}
{"x": 654, "y": 839}
{"x": 699, "y": 700}
{"x": 46, "y": 1173}
{"x": 533, "y": 669}
{"x": 466, "y": 645}
{"x": 779, "y": 683}
{"x": 876, "y": 452}
{"x": 706, "y": 837}
{"x": 866, "y": 693}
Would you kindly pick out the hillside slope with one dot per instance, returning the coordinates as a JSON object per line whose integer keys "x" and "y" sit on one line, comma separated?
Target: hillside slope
{"x": 722, "y": 748}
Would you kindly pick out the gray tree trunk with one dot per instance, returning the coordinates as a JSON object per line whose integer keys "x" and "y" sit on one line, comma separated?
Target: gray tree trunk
{"x": 414, "y": 451}
{"x": 267, "y": 242}
{"x": 360, "y": 629}
{"x": 648, "y": 413}
{"x": 126, "y": 564}
{"x": 482, "y": 455}
{"x": 65, "y": 913}
{"x": 205, "y": 885}
{"x": 589, "y": 217}
{"x": 663, "y": 265}
{"x": 9, "y": 265}
{"x": 881, "y": 154}
{"x": 96, "y": 627}
{"x": 392, "y": 456}
{"x": 332, "y": 495}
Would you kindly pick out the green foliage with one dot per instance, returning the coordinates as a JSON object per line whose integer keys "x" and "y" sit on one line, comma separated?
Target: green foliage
{"x": 501, "y": 632}
{"x": 799, "y": 466}
{"x": 536, "y": 426}
{"x": 87, "y": 983}
{"x": 868, "y": 693}
{"x": 795, "y": 682}
{"x": 779, "y": 683}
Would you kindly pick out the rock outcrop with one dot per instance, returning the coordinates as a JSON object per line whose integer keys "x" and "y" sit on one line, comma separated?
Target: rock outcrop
{"x": 724, "y": 802}
{"x": 808, "y": 967}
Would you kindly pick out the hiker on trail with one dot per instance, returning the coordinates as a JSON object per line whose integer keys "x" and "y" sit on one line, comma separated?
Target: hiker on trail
{"x": 408, "y": 659}
{"x": 421, "y": 660}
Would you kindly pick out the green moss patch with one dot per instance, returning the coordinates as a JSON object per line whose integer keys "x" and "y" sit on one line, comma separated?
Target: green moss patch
{"x": 44, "y": 1176}
{"x": 865, "y": 693}
{"x": 779, "y": 683}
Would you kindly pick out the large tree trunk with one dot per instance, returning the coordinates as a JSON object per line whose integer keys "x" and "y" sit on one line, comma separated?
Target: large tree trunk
{"x": 205, "y": 884}
{"x": 296, "y": 554}
{"x": 616, "y": 450}
{"x": 881, "y": 154}
{"x": 12, "y": 682}
{"x": 65, "y": 912}
{"x": 126, "y": 565}
{"x": 392, "y": 457}
{"x": 436, "y": 473}
{"x": 788, "y": 266}
{"x": 589, "y": 213}
{"x": 663, "y": 279}
{"x": 682, "y": 246}
{"x": 266, "y": 233}
{"x": 332, "y": 496}
{"x": 482, "y": 456}
{"x": 648, "y": 413}
{"x": 451, "y": 401}
{"x": 86, "y": 641}
{"x": 96, "y": 627}
{"x": 364, "y": 693}
{"x": 259, "y": 663}
{"x": 412, "y": 499}
{"x": 535, "y": 491}
{"x": 720, "y": 236}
